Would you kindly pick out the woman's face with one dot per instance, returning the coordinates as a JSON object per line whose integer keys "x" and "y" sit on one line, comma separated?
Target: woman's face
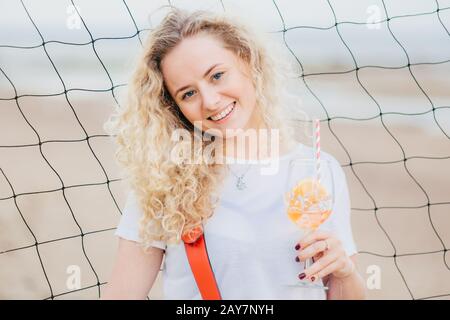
{"x": 211, "y": 84}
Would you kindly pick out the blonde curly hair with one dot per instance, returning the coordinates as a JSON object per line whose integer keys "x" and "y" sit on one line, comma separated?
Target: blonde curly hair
{"x": 177, "y": 197}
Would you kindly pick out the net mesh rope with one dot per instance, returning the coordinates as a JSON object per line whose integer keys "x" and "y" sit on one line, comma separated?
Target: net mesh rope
{"x": 440, "y": 12}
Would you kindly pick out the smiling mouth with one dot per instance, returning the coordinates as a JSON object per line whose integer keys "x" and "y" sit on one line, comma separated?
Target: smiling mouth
{"x": 225, "y": 113}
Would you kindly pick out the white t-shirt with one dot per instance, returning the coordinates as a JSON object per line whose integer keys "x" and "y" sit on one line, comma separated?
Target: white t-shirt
{"x": 250, "y": 240}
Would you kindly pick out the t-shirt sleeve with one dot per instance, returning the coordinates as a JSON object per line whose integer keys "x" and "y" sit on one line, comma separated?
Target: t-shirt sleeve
{"x": 128, "y": 227}
{"x": 340, "y": 220}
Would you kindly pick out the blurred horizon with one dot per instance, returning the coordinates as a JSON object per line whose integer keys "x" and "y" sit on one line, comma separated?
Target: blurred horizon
{"x": 318, "y": 46}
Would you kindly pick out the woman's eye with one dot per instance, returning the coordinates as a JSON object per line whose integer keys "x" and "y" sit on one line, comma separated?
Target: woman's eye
{"x": 187, "y": 94}
{"x": 218, "y": 75}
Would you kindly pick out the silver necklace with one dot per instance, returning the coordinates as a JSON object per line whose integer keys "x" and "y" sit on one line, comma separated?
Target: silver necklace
{"x": 240, "y": 183}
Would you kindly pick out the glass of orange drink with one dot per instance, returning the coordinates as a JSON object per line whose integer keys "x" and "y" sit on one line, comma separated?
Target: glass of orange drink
{"x": 309, "y": 201}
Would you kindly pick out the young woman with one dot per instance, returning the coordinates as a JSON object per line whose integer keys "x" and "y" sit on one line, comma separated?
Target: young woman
{"x": 201, "y": 71}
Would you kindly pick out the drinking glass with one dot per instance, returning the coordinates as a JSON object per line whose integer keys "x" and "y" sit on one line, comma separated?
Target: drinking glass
{"x": 309, "y": 200}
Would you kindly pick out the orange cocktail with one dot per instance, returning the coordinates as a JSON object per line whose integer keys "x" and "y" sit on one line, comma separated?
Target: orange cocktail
{"x": 308, "y": 204}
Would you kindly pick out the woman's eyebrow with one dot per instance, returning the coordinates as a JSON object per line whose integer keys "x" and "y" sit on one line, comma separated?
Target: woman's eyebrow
{"x": 204, "y": 75}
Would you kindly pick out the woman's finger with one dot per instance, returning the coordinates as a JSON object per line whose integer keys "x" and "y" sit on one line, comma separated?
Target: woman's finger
{"x": 313, "y": 237}
{"x": 314, "y": 249}
{"x": 319, "y": 265}
{"x": 327, "y": 270}
{"x": 317, "y": 256}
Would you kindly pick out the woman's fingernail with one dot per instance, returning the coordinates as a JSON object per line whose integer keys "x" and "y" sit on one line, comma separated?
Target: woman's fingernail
{"x": 302, "y": 276}
{"x": 297, "y": 247}
{"x": 297, "y": 259}
{"x": 313, "y": 279}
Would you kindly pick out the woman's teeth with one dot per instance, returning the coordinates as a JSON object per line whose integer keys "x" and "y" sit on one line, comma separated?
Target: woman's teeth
{"x": 224, "y": 113}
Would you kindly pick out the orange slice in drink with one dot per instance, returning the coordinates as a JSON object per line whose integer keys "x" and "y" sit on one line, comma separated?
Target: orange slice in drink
{"x": 304, "y": 204}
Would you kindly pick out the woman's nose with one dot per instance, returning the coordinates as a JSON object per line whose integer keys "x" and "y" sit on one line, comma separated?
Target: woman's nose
{"x": 210, "y": 100}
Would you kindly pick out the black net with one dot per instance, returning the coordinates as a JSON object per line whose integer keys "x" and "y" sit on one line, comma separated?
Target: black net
{"x": 387, "y": 162}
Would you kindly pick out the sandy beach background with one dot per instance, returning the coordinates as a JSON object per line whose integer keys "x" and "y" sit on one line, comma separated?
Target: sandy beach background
{"x": 388, "y": 124}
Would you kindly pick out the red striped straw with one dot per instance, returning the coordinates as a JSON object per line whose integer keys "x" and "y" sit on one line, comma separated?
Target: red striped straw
{"x": 317, "y": 148}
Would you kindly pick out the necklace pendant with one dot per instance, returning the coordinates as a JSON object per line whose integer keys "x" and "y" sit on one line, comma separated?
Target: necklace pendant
{"x": 240, "y": 184}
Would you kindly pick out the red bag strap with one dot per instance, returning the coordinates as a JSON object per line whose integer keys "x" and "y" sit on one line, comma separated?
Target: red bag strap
{"x": 201, "y": 268}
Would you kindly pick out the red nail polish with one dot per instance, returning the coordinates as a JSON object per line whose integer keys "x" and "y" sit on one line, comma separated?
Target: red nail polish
{"x": 297, "y": 259}
{"x": 297, "y": 247}
{"x": 313, "y": 279}
{"x": 302, "y": 276}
